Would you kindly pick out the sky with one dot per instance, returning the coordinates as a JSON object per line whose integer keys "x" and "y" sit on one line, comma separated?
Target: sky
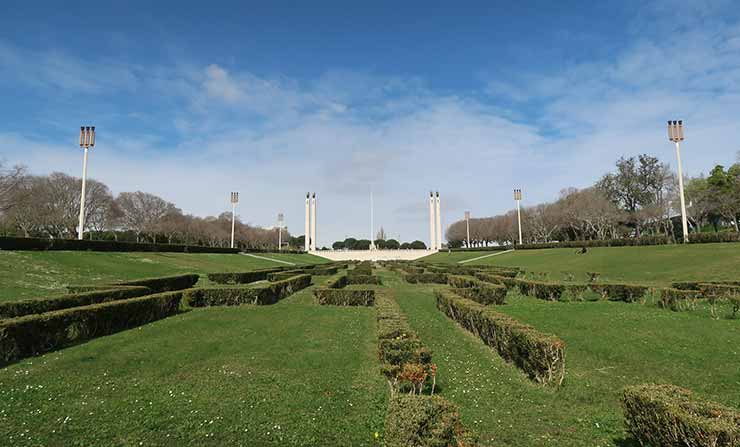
{"x": 192, "y": 100}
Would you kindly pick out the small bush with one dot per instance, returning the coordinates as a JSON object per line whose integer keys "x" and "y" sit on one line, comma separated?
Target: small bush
{"x": 35, "y": 334}
{"x": 666, "y": 415}
{"x": 164, "y": 283}
{"x": 476, "y": 290}
{"x": 344, "y": 297}
{"x": 540, "y": 356}
{"x": 362, "y": 279}
{"x": 426, "y": 278}
{"x": 243, "y": 277}
{"x": 15, "y": 309}
{"x": 677, "y": 299}
{"x": 269, "y": 293}
{"x": 620, "y": 292}
{"x": 539, "y": 289}
{"x": 424, "y": 421}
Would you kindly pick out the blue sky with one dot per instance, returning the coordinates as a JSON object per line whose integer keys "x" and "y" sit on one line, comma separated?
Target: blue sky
{"x": 195, "y": 99}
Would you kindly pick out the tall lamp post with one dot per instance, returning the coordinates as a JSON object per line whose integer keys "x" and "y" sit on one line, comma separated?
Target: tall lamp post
{"x": 675, "y": 134}
{"x": 234, "y": 201}
{"x": 87, "y": 140}
{"x": 518, "y": 198}
{"x": 280, "y": 231}
{"x": 467, "y": 226}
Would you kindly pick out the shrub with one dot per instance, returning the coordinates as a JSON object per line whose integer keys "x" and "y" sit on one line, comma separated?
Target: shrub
{"x": 620, "y": 292}
{"x": 705, "y": 238}
{"x": 325, "y": 271}
{"x": 477, "y": 290}
{"x": 243, "y": 277}
{"x": 539, "y": 289}
{"x": 344, "y": 297}
{"x": 676, "y": 299}
{"x": 496, "y": 279}
{"x": 666, "y": 415}
{"x": 269, "y": 293}
{"x": 35, "y": 334}
{"x": 719, "y": 291}
{"x": 164, "y": 283}
{"x": 540, "y": 356}
{"x": 280, "y": 276}
{"x": 426, "y": 278}
{"x": 424, "y": 421}
{"x": 15, "y": 309}
{"x": 27, "y": 243}
{"x": 362, "y": 279}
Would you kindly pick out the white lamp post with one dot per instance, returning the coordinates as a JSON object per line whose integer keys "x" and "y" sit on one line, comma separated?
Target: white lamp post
{"x": 518, "y": 198}
{"x": 467, "y": 226}
{"x": 87, "y": 140}
{"x": 280, "y": 231}
{"x": 675, "y": 134}
{"x": 234, "y": 201}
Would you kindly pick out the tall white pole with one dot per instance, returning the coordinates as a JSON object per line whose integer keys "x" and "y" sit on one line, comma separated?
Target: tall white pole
{"x": 307, "y": 242}
{"x": 467, "y": 226}
{"x": 432, "y": 232}
{"x": 82, "y": 197}
{"x": 313, "y": 222}
{"x": 372, "y": 222}
{"x": 280, "y": 232}
{"x": 684, "y": 223}
{"x": 519, "y": 219}
{"x": 439, "y": 223}
{"x": 233, "y": 219}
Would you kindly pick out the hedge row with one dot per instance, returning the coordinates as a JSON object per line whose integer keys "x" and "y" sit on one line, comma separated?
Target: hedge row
{"x": 35, "y": 334}
{"x": 15, "y": 309}
{"x": 28, "y": 243}
{"x": 706, "y": 285}
{"x": 243, "y": 277}
{"x": 424, "y": 421}
{"x": 497, "y": 279}
{"x": 552, "y": 291}
{"x": 666, "y": 415}
{"x": 363, "y": 279}
{"x": 425, "y": 278}
{"x": 676, "y": 299}
{"x": 155, "y": 285}
{"x": 344, "y": 297}
{"x": 540, "y": 356}
{"x": 269, "y": 293}
{"x": 327, "y": 271}
{"x": 477, "y": 290}
{"x": 280, "y": 276}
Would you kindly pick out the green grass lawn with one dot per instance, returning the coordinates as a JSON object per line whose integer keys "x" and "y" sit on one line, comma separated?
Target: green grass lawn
{"x": 30, "y": 274}
{"x": 294, "y": 373}
{"x": 609, "y": 345}
{"x": 657, "y": 265}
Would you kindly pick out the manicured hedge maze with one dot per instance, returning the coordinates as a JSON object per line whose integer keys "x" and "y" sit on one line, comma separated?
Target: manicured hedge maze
{"x": 268, "y": 293}
{"x": 335, "y": 293}
{"x": 243, "y": 277}
{"x": 12, "y": 309}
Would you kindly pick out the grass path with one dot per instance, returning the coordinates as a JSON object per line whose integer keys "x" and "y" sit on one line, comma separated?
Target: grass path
{"x": 657, "y": 265}
{"x": 31, "y": 274}
{"x": 609, "y": 345}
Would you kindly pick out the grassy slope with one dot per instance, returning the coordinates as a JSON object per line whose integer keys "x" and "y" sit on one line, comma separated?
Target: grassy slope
{"x": 652, "y": 264}
{"x": 290, "y": 374}
{"x": 609, "y": 345}
{"x": 29, "y": 274}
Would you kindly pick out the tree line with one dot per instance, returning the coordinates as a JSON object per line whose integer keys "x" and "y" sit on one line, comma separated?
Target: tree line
{"x": 639, "y": 198}
{"x": 351, "y": 243}
{"x": 49, "y": 206}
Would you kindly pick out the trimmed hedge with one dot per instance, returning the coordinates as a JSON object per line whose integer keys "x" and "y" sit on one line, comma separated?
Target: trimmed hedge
{"x": 344, "y": 297}
{"x": 425, "y": 278}
{"x": 328, "y": 271}
{"x": 548, "y": 291}
{"x": 14, "y": 309}
{"x": 280, "y": 276}
{"x": 620, "y": 292}
{"x": 424, "y": 421}
{"x": 497, "y": 279}
{"x": 35, "y": 334}
{"x": 243, "y": 277}
{"x": 666, "y": 415}
{"x": 476, "y": 290}
{"x": 29, "y": 243}
{"x": 363, "y": 279}
{"x": 164, "y": 283}
{"x": 540, "y": 356}
{"x": 269, "y": 293}
{"x": 676, "y": 299}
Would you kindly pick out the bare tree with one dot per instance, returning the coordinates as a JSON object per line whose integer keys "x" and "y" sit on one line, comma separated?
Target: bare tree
{"x": 141, "y": 212}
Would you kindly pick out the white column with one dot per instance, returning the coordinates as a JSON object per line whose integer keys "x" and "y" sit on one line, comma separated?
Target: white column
{"x": 684, "y": 223}
{"x": 519, "y": 219}
{"x": 308, "y": 223}
{"x": 439, "y": 223}
{"x": 233, "y": 218}
{"x": 432, "y": 231}
{"x": 372, "y": 222}
{"x": 82, "y": 198}
{"x": 313, "y": 222}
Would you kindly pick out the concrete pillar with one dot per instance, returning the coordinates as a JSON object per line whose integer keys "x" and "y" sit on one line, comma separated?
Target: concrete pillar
{"x": 439, "y": 223}
{"x": 313, "y": 222}
{"x": 432, "y": 231}
{"x": 308, "y": 224}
